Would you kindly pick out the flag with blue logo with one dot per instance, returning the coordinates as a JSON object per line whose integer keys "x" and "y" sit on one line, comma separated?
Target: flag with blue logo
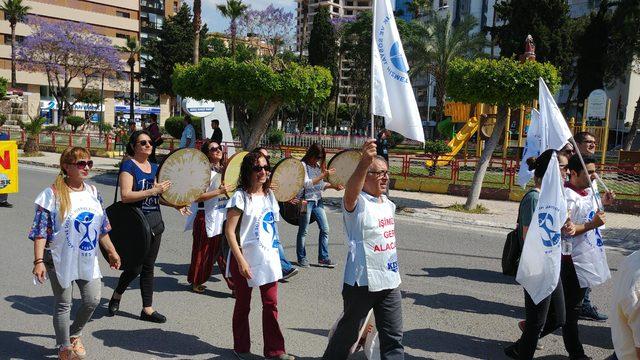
{"x": 539, "y": 268}
{"x": 535, "y": 142}
{"x": 391, "y": 92}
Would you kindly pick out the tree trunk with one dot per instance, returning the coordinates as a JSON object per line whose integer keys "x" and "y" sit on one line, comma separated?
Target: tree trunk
{"x": 258, "y": 126}
{"x": 567, "y": 105}
{"x": 305, "y": 15}
{"x": 483, "y": 164}
{"x": 634, "y": 127}
{"x": 233, "y": 30}
{"x": 13, "y": 55}
{"x": 131, "y": 95}
{"x": 440, "y": 96}
{"x": 197, "y": 22}
{"x": 30, "y": 145}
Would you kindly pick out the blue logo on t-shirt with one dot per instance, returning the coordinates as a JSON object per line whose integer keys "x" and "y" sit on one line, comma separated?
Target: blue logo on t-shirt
{"x": 599, "y": 241}
{"x": 269, "y": 221}
{"x": 392, "y": 263}
{"x": 81, "y": 224}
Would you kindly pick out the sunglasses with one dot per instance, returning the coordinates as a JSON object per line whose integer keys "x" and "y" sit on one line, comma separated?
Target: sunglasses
{"x": 145, "y": 142}
{"x": 257, "y": 168}
{"x": 216, "y": 148}
{"x": 82, "y": 164}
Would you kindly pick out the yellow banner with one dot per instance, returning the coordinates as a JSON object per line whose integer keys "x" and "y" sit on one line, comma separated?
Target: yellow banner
{"x": 8, "y": 167}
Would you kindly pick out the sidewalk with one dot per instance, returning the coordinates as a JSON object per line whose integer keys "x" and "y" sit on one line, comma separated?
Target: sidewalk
{"x": 621, "y": 230}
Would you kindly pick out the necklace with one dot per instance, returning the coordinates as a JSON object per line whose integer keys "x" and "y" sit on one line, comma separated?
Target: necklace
{"x": 76, "y": 189}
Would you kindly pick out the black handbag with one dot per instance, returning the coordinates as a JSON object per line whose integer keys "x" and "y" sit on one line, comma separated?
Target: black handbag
{"x": 292, "y": 213}
{"x": 130, "y": 232}
{"x": 512, "y": 250}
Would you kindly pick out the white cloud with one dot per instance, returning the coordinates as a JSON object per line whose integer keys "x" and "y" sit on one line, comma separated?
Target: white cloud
{"x": 216, "y": 22}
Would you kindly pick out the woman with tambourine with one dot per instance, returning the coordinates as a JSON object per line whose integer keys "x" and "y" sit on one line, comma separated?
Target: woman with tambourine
{"x": 139, "y": 188}
{"x": 69, "y": 223}
{"x": 316, "y": 171}
{"x": 252, "y": 234}
{"x": 207, "y": 216}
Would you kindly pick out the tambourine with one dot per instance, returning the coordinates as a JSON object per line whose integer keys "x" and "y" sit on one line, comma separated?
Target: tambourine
{"x": 130, "y": 234}
{"x": 231, "y": 173}
{"x": 288, "y": 174}
{"x": 345, "y": 162}
{"x": 190, "y": 174}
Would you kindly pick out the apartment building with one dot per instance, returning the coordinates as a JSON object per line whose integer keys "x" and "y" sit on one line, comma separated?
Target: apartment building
{"x": 116, "y": 19}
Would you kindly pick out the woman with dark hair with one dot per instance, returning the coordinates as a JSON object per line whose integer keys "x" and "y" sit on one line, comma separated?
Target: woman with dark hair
{"x": 252, "y": 234}
{"x": 69, "y": 223}
{"x": 548, "y": 315}
{"x": 206, "y": 219}
{"x": 139, "y": 187}
{"x": 316, "y": 171}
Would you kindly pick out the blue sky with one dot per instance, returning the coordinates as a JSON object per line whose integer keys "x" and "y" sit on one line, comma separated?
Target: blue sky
{"x": 211, "y": 16}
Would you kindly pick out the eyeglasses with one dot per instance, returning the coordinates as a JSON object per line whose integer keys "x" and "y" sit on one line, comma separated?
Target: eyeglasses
{"x": 82, "y": 164}
{"x": 379, "y": 174}
{"x": 145, "y": 142}
{"x": 214, "y": 149}
{"x": 590, "y": 142}
{"x": 257, "y": 168}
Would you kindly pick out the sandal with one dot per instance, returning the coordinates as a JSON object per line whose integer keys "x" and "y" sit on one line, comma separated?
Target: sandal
{"x": 198, "y": 288}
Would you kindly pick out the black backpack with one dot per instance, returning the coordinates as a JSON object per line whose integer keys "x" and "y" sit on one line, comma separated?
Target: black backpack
{"x": 512, "y": 250}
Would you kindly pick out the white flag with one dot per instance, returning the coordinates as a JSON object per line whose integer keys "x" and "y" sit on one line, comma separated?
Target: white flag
{"x": 553, "y": 126}
{"x": 391, "y": 91}
{"x": 535, "y": 142}
{"x": 539, "y": 268}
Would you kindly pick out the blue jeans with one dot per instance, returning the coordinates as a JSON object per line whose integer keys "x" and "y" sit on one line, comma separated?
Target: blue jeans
{"x": 317, "y": 208}
{"x": 284, "y": 263}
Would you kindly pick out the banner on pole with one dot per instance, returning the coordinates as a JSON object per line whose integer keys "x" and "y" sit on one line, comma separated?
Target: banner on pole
{"x": 8, "y": 167}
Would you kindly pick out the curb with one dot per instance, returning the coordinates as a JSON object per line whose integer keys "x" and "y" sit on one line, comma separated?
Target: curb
{"x": 56, "y": 166}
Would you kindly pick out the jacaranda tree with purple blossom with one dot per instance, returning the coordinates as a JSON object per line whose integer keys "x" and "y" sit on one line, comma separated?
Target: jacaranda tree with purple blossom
{"x": 272, "y": 25}
{"x": 72, "y": 55}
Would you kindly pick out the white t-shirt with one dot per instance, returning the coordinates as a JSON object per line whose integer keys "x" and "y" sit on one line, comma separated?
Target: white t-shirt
{"x": 625, "y": 308}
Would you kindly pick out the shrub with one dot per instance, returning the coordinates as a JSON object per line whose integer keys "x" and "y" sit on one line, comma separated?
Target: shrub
{"x": 275, "y": 137}
{"x": 396, "y": 138}
{"x": 173, "y": 126}
{"x": 4, "y": 83}
{"x": 74, "y": 122}
{"x": 436, "y": 147}
{"x": 105, "y": 128}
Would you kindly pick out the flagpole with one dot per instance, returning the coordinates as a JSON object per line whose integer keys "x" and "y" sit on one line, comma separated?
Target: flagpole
{"x": 373, "y": 48}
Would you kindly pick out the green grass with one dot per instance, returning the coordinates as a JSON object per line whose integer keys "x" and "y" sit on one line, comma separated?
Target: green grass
{"x": 479, "y": 209}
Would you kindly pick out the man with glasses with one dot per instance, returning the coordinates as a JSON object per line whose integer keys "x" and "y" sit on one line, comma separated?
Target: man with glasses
{"x": 371, "y": 275}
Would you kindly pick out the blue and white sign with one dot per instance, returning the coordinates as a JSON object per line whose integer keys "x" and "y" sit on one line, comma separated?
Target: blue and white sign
{"x": 199, "y": 108}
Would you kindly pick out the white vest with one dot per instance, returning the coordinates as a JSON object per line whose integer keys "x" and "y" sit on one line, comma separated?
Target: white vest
{"x": 215, "y": 211}
{"x": 76, "y": 239}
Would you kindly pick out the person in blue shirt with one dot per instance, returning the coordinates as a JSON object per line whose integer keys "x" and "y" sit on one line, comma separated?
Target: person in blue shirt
{"x": 188, "y": 139}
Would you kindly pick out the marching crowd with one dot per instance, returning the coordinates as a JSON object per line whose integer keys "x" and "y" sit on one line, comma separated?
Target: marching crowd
{"x": 240, "y": 235}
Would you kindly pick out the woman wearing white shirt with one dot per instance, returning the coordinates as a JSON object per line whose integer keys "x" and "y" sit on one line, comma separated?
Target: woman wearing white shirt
{"x": 252, "y": 233}
{"x": 207, "y": 216}
{"x": 68, "y": 225}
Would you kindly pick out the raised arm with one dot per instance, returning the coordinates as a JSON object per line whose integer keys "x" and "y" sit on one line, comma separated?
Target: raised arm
{"x": 356, "y": 181}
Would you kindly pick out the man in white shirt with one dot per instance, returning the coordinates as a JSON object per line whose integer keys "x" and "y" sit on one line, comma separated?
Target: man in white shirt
{"x": 625, "y": 309}
{"x": 371, "y": 276}
{"x": 188, "y": 139}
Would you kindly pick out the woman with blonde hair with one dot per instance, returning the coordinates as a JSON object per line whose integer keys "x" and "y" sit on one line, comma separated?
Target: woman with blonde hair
{"x": 207, "y": 216}
{"x": 68, "y": 227}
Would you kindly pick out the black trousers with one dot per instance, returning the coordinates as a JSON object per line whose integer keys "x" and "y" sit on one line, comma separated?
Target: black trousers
{"x": 145, "y": 271}
{"x": 541, "y": 320}
{"x": 387, "y": 309}
{"x": 573, "y": 295}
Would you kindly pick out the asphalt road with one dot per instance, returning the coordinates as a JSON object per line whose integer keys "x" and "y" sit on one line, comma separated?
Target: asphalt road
{"x": 456, "y": 302}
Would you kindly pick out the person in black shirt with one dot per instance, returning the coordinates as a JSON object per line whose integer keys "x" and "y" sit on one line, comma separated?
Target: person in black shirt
{"x": 217, "y": 133}
{"x": 383, "y": 143}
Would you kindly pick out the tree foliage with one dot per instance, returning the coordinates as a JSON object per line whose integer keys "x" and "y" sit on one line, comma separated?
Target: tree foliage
{"x": 14, "y": 12}
{"x": 548, "y": 21}
{"x": 256, "y": 89}
{"x": 233, "y": 10}
{"x": 323, "y": 42}
{"x": 173, "y": 46}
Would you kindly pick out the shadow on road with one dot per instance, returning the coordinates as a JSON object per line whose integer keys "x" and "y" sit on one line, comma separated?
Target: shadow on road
{"x": 598, "y": 336}
{"x": 464, "y": 303}
{"x": 481, "y": 275}
{"x": 105, "y": 179}
{"x": 32, "y": 305}
{"x": 174, "y": 269}
{"x": 160, "y": 343}
{"x": 450, "y": 343}
{"x": 319, "y": 332}
{"x": 15, "y": 347}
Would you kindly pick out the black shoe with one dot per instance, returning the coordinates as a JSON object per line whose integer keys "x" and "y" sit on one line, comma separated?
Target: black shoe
{"x": 291, "y": 273}
{"x": 114, "y": 306}
{"x": 580, "y": 357}
{"x": 512, "y": 351}
{"x": 591, "y": 313}
{"x": 6, "y": 204}
{"x": 155, "y": 317}
{"x": 326, "y": 263}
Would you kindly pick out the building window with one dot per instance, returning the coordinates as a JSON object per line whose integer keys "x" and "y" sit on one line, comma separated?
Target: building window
{"x": 121, "y": 36}
{"x": 7, "y": 39}
{"x": 123, "y": 14}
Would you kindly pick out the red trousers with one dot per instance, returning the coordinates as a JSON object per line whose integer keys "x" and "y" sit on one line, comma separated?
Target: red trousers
{"x": 205, "y": 251}
{"x": 271, "y": 334}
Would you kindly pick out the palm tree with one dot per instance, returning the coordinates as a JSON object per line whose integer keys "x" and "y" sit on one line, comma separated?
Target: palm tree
{"x": 305, "y": 23}
{"x": 132, "y": 48}
{"x": 233, "y": 10}
{"x": 14, "y": 12}
{"x": 197, "y": 23}
{"x": 418, "y": 7}
{"x": 442, "y": 42}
